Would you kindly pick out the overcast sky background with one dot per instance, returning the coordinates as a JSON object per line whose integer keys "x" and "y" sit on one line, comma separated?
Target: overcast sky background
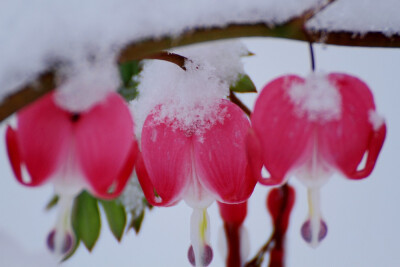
{"x": 362, "y": 216}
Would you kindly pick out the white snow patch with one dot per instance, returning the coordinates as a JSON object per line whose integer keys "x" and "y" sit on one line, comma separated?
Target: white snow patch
{"x": 375, "y": 119}
{"x": 189, "y": 99}
{"x": 88, "y": 83}
{"x": 132, "y": 196}
{"x": 316, "y": 98}
{"x": 359, "y": 16}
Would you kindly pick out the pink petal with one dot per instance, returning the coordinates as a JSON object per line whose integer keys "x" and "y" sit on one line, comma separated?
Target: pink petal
{"x": 41, "y": 139}
{"x": 122, "y": 178}
{"x": 220, "y": 157}
{"x": 344, "y": 142}
{"x": 13, "y": 153}
{"x": 281, "y": 137}
{"x": 105, "y": 145}
{"x": 375, "y": 145}
{"x": 167, "y": 159}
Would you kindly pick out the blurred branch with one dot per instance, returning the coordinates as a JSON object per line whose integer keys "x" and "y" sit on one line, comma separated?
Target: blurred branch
{"x": 166, "y": 56}
{"x": 27, "y": 94}
{"x": 293, "y": 29}
{"x": 239, "y": 103}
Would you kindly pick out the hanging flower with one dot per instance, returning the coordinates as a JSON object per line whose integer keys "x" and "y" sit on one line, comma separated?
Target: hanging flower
{"x": 236, "y": 242}
{"x": 203, "y": 162}
{"x": 93, "y": 150}
{"x": 280, "y": 202}
{"x": 311, "y": 128}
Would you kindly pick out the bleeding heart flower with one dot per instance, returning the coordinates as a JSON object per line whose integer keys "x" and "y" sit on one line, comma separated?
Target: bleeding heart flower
{"x": 235, "y": 243}
{"x": 280, "y": 202}
{"x": 200, "y": 163}
{"x": 311, "y": 128}
{"x": 94, "y": 150}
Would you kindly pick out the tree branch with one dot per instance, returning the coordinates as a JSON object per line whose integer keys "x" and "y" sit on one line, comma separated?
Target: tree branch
{"x": 27, "y": 94}
{"x": 293, "y": 29}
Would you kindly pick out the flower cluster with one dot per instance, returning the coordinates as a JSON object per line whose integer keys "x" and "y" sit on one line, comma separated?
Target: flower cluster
{"x": 309, "y": 128}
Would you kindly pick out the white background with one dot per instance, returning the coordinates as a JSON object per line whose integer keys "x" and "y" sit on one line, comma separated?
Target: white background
{"x": 362, "y": 216}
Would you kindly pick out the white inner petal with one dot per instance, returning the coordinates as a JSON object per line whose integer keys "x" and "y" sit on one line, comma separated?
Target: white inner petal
{"x": 199, "y": 233}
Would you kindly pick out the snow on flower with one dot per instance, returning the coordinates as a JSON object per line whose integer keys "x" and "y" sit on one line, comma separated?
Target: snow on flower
{"x": 192, "y": 138}
{"x": 93, "y": 150}
{"x": 293, "y": 133}
{"x": 197, "y": 166}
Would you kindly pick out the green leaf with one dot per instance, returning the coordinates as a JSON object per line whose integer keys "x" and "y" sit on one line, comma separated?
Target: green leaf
{"x": 86, "y": 219}
{"x": 127, "y": 71}
{"x": 136, "y": 222}
{"x": 243, "y": 85}
{"x": 116, "y": 217}
{"x": 52, "y": 203}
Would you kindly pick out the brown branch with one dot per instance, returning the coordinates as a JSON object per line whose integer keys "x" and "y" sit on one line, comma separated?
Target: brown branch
{"x": 27, "y": 94}
{"x": 46, "y": 82}
{"x": 293, "y": 29}
{"x": 166, "y": 56}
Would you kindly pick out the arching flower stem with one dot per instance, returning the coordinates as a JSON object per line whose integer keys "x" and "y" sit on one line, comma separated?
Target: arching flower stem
{"x": 275, "y": 243}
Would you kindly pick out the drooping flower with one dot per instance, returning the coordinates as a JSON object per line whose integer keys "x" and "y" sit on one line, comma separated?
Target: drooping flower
{"x": 235, "y": 245}
{"x": 200, "y": 163}
{"x": 280, "y": 202}
{"x": 93, "y": 150}
{"x": 312, "y": 128}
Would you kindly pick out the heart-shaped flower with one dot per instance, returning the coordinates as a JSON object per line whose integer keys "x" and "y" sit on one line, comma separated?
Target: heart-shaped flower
{"x": 93, "y": 150}
{"x": 311, "y": 128}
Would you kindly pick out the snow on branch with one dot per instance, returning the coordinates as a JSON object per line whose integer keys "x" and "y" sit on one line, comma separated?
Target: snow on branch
{"x": 80, "y": 35}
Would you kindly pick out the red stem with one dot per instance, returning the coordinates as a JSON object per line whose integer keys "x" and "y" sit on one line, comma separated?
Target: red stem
{"x": 233, "y": 239}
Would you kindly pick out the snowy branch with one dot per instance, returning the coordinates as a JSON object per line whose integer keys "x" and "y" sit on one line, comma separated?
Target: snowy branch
{"x": 294, "y": 29}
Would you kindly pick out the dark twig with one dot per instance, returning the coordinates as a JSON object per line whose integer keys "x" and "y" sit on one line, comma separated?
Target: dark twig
{"x": 239, "y": 103}
{"x": 167, "y": 56}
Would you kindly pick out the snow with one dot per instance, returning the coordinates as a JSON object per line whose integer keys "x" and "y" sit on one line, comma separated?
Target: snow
{"x": 82, "y": 39}
{"x": 375, "y": 119}
{"x": 132, "y": 196}
{"x": 359, "y": 16}
{"x": 38, "y": 34}
{"x": 189, "y": 99}
{"x": 317, "y": 98}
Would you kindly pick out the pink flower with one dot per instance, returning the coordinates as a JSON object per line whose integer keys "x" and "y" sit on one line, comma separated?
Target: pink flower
{"x": 94, "y": 150}
{"x": 311, "y": 128}
{"x": 235, "y": 245}
{"x": 202, "y": 163}
{"x": 280, "y": 202}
